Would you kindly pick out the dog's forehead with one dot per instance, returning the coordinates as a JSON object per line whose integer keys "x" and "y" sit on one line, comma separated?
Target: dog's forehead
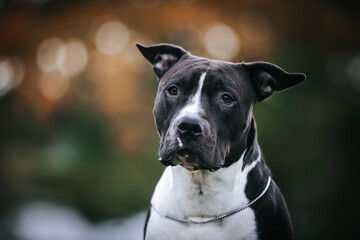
{"x": 193, "y": 67}
{"x": 225, "y": 71}
{"x": 190, "y": 67}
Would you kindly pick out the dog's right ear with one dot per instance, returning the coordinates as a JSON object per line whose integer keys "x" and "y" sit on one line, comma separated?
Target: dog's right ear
{"x": 162, "y": 56}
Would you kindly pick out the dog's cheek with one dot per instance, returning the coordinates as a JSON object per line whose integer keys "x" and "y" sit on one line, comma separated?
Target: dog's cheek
{"x": 236, "y": 122}
{"x": 161, "y": 114}
{"x": 159, "y": 123}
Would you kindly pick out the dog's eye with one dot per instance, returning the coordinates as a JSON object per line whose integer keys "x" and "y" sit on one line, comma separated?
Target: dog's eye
{"x": 227, "y": 99}
{"x": 173, "y": 90}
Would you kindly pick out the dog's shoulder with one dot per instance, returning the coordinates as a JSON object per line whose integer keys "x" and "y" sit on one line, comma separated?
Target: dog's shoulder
{"x": 272, "y": 216}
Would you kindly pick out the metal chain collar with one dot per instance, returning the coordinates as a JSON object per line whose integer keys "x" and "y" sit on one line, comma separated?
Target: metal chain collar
{"x": 185, "y": 220}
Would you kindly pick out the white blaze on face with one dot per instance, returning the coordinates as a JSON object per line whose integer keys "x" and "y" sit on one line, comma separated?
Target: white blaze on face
{"x": 194, "y": 105}
{"x": 180, "y": 142}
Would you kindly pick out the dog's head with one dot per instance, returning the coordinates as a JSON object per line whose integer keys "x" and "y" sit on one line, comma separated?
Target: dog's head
{"x": 203, "y": 108}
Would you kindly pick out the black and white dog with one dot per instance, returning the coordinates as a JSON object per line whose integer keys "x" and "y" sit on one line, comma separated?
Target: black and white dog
{"x": 216, "y": 184}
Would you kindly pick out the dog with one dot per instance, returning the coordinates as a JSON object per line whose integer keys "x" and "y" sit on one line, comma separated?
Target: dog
{"x": 216, "y": 184}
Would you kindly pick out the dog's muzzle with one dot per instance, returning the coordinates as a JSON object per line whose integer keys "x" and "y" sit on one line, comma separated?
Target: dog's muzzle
{"x": 184, "y": 150}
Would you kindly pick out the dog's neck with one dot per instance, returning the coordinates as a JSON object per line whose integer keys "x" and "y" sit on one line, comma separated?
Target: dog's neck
{"x": 203, "y": 194}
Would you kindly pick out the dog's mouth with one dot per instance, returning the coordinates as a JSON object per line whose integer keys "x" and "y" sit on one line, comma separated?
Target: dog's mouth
{"x": 188, "y": 159}
{"x": 185, "y": 158}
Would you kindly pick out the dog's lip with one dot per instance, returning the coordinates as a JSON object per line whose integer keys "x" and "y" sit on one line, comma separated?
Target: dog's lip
{"x": 187, "y": 155}
{"x": 184, "y": 157}
{"x": 187, "y": 159}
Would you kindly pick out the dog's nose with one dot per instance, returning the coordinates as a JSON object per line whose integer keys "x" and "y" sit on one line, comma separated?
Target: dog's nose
{"x": 190, "y": 128}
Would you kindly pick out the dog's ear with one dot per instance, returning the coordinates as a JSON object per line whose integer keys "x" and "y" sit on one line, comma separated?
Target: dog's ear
{"x": 162, "y": 56}
{"x": 268, "y": 78}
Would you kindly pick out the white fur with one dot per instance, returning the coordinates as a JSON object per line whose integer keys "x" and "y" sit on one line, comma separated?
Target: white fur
{"x": 177, "y": 194}
{"x": 194, "y": 105}
{"x": 180, "y": 142}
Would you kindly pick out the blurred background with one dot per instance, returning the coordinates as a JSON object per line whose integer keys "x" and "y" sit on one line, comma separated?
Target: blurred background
{"x": 78, "y": 145}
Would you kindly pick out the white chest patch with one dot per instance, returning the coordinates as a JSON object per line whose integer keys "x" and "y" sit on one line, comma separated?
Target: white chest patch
{"x": 199, "y": 196}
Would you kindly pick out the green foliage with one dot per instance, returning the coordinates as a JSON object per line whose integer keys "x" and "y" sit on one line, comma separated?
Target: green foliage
{"x": 75, "y": 162}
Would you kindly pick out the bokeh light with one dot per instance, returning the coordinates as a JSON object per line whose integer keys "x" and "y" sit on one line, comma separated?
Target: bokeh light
{"x": 48, "y": 53}
{"x": 72, "y": 58}
{"x": 112, "y": 37}
{"x": 11, "y": 73}
{"x": 19, "y": 71}
{"x": 6, "y": 75}
{"x": 222, "y": 42}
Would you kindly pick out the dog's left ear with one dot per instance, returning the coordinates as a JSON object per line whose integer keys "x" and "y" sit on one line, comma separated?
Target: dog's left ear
{"x": 268, "y": 78}
{"x": 162, "y": 56}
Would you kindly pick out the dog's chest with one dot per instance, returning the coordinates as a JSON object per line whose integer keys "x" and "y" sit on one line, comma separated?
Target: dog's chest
{"x": 240, "y": 226}
{"x": 180, "y": 193}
